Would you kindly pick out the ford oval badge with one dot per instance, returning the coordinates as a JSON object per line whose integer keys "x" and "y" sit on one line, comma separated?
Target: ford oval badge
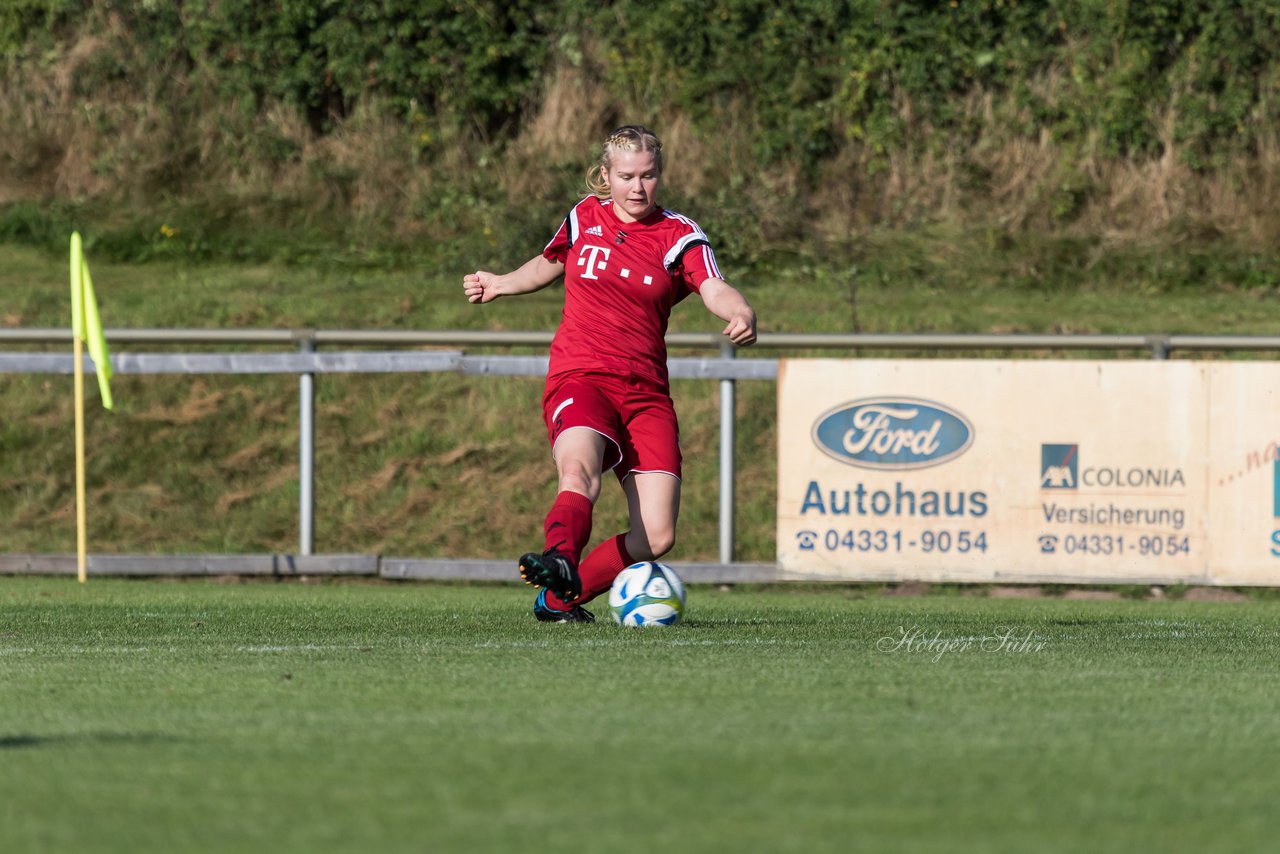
{"x": 893, "y": 433}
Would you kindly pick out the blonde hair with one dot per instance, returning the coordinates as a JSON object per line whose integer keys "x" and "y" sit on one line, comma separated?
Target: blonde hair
{"x": 625, "y": 138}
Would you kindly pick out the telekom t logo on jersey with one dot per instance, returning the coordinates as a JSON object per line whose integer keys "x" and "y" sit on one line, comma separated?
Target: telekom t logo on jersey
{"x": 591, "y": 258}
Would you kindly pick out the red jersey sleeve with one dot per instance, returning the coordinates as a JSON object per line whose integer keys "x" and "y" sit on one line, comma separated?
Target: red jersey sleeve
{"x": 567, "y": 236}
{"x": 694, "y": 262}
{"x": 558, "y": 248}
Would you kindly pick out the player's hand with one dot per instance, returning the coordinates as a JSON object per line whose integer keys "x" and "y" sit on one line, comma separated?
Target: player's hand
{"x": 480, "y": 286}
{"x": 742, "y": 328}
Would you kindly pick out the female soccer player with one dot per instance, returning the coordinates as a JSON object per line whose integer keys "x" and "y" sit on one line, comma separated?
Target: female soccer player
{"x": 607, "y": 402}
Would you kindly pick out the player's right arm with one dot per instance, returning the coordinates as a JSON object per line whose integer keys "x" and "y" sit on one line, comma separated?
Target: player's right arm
{"x": 535, "y": 274}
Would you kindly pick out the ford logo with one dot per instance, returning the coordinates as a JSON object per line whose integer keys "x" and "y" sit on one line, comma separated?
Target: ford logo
{"x": 893, "y": 433}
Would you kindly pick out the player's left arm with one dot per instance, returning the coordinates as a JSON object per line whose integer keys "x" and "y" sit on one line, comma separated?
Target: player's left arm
{"x": 725, "y": 302}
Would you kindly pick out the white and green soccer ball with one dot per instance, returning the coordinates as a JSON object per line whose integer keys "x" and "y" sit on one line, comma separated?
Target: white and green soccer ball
{"x": 647, "y": 593}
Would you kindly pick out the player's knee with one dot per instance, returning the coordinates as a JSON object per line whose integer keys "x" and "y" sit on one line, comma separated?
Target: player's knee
{"x": 576, "y": 477}
{"x": 661, "y": 542}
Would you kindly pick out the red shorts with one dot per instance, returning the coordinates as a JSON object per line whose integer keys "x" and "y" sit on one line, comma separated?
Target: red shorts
{"x": 636, "y": 417}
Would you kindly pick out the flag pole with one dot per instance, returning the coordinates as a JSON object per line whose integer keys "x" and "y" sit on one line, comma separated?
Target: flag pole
{"x": 82, "y": 557}
{"x": 77, "y": 323}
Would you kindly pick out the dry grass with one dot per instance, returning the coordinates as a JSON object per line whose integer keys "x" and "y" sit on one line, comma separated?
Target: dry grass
{"x": 133, "y": 142}
{"x": 1035, "y": 182}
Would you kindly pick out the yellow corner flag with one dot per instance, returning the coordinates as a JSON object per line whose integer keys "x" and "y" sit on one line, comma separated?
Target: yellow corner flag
{"x": 86, "y": 324}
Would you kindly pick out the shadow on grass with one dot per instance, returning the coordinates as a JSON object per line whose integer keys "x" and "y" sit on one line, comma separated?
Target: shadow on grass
{"x": 1095, "y": 621}
{"x": 735, "y": 622}
{"x": 19, "y": 742}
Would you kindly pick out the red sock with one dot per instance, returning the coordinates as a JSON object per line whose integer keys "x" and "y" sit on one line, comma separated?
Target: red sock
{"x": 602, "y": 566}
{"x": 598, "y": 571}
{"x": 568, "y": 525}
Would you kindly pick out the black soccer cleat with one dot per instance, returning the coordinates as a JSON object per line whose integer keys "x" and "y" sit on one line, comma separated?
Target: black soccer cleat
{"x": 545, "y": 614}
{"x": 553, "y": 571}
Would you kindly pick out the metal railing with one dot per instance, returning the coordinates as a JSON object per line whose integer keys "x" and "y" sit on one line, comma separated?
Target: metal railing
{"x": 307, "y": 361}
{"x": 1158, "y": 345}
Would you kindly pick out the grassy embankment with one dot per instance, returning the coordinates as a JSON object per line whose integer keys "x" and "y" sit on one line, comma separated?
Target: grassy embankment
{"x": 953, "y": 169}
{"x": 440, "y": 465}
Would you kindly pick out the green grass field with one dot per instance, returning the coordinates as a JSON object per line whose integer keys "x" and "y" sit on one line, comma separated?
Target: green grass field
{"x": 204, "y": 716}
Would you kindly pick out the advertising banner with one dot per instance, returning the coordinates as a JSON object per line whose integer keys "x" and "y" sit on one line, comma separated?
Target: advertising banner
{"x": 1243, "y": 411}
{"x": 1037, "y": 471}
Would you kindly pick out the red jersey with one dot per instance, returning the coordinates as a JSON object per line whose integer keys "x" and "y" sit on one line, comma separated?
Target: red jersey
{"x": 621, "y": 280}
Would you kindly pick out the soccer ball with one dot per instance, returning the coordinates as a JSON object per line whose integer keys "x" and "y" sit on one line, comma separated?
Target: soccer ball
{"x": 647, "y": 593}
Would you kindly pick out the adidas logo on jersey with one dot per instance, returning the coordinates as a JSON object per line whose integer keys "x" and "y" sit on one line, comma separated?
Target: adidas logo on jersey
{"x": 596, "y": 230}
